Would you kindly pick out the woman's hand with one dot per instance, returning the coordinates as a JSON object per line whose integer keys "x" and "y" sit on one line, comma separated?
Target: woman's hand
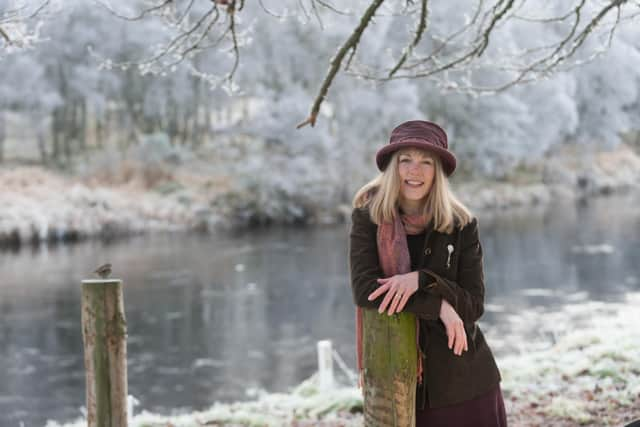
{"x": 398, "y": 288}
{"x": 455, "y": 328}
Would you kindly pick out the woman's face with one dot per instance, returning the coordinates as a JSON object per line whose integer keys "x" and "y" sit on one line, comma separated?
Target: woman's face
{"x": 416, "y": 169}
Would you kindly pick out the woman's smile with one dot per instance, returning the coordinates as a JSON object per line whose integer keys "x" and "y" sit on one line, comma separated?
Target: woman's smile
{"x": 413, "y": 183}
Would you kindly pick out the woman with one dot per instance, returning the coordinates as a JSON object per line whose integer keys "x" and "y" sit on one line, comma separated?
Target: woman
{"x": 414, "y": 247}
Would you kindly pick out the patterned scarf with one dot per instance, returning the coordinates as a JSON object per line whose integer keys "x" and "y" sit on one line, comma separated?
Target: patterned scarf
{"x": 394, "y": 257}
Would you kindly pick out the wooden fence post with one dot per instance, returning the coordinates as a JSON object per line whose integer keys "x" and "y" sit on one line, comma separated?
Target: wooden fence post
{"x": 104, "y": 333}
{"x": 325, "y": 365}
{"x": 390, "y": 362}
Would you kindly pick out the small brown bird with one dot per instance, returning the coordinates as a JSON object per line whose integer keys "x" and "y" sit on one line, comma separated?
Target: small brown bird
{"x": 103, "y": 271}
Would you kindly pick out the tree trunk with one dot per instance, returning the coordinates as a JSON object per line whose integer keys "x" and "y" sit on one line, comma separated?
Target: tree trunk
{"x": 104, "y": 332}
{"x": 55, "y": 135}
{"x": 67, "y": 120}
{"x": 205, "y": 136}
{"x": 3, "y": 134}
{"x": 124, "y": 129}
{"x": 82, "y": 125}
{"x": 99, "y": 133}
{"x": 42, "y": 147}
{"x": 390, "y": 358}
{"x": 196, "y": 84}
{"x": 187, "y": 134}
{"x": 172, "y": 127}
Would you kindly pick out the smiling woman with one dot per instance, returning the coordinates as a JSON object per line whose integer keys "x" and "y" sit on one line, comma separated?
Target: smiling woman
{"x": 415, "y": 254}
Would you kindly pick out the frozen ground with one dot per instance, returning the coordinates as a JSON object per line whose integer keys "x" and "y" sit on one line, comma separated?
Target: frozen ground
{"x": 586, "y": 372}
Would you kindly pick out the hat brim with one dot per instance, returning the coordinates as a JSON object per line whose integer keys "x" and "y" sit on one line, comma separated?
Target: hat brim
{"x": 446, "y": 157}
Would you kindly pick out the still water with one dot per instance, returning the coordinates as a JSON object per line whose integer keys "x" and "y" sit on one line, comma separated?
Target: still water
{"x": 212, "y": 316}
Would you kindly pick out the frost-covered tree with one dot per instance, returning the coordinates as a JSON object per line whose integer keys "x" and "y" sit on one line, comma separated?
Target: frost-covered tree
{"x": 19, "y": 24}
{"x": 73, "y": 90}
{"x": 591, "y": 105}
{"x": 35, "y": 96}
{"x": 607, "y": 91}
{"x": 19, "y": 29}
{"x": 470, "y": 51}
{"x": 84, "y": 104}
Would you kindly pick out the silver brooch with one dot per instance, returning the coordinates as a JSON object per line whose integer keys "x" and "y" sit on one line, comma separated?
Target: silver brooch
{"x": 450, "y": 250}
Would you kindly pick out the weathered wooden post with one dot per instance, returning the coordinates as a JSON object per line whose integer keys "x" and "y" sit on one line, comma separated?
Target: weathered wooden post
{"x": 104, "y": 332}
{"x": 390, "y": 360}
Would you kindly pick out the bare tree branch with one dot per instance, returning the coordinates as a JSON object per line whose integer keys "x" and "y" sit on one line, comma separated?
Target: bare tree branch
{"x": 18, "y": 26}
{"x": 304, "y": 11}
{"x": 142, "y": 14}
{"x": 17, "y": 14}
{"x": 422, "y": 26}
{"x": 445, "y": 42}
{"x": 185, "y": 35}
{"x": 332, "y": 8}
{"x": 560, "y": 51}
{"x": 557, "y": 46}
{"x": 351, "y": 43}
{"x": 613, "y": 27}
{"x": 585, "y": 32}
{"x": 236, "y": 51}
{"x": 452, "y": 60}
{"x": 552, "y": 60}
{"x": 197, "y": 44}
{"x": 5, "y": 36}
{"x": 354, "y": 49}
{"x": 498, "y": 15}
{"x": 317, "y": 14}
{"x": 39, "y": 9}
{"x": 545, "y": 20}
{"x": 269, "y": 12}
{"x": 183, "y": 44}
{"x": 186, "y": 12}
{"x": 481, "y": 42}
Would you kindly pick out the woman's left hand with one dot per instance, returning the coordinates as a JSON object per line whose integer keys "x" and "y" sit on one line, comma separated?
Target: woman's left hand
{"x": 398, "y": 288}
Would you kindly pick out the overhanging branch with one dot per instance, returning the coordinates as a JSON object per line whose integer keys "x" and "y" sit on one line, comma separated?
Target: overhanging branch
{"x": 351, "y": 43}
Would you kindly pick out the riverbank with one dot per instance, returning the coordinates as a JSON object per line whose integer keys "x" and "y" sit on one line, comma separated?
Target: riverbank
{"x": 39, "y": 205}
{"x": 585, "y": 372}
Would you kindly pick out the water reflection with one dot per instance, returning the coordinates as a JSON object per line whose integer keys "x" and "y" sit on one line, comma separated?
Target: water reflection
{"x": 212, "y": 316}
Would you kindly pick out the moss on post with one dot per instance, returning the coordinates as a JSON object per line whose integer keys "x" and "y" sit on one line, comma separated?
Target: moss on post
{"x": 104, "y": 332}
{"x": 390, "y": 368}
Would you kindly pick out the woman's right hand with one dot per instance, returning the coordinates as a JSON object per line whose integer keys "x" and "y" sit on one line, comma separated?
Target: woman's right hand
{"x": 455, "y": 328}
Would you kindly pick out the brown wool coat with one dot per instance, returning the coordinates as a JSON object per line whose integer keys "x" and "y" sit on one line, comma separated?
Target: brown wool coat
{"x": 449, "y": 379}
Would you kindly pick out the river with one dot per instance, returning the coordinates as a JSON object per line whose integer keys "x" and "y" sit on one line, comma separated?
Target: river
{"x": 212, "y": 316}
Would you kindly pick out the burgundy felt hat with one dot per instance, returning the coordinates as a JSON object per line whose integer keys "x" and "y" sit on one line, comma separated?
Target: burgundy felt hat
{"x": 418, "y": 134}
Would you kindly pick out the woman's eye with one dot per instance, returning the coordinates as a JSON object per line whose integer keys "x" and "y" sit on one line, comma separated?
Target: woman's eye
{"x": 404, "y": 160}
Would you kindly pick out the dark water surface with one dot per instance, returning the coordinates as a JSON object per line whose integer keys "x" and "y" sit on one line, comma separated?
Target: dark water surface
{"x": 211, "y": 316}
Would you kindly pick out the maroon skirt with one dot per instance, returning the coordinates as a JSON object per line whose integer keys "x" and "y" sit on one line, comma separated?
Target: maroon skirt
{"x": 483, "y": 411}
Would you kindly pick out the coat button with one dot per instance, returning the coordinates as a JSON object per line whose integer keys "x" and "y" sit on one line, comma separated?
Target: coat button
{"x": 427, "y": 251}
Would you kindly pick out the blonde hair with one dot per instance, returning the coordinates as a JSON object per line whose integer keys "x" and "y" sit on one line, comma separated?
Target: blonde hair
{"x": 382, "y": 193}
